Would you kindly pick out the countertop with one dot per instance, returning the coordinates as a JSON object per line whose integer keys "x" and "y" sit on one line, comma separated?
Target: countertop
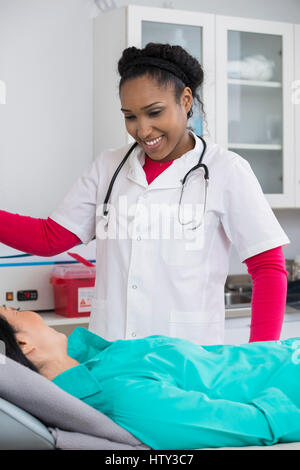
{"x": 291, "y": 314}
{"x": 240, "y": 312}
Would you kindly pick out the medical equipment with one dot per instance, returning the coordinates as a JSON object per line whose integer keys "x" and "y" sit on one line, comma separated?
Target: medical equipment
{"x": 73, "y": 287}
{"x": 183, "y": 181}
{"x": 24, "y": 278}
{"x": 21, "y": 431}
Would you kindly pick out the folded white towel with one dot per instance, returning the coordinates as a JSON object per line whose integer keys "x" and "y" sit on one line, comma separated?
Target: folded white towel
{"x": 256, "y": 67}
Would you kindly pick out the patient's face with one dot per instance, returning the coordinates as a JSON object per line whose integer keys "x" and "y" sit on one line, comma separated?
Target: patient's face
{"x": 33, "y": 333}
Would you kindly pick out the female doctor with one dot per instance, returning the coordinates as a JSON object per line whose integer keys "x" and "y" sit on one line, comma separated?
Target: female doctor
{"x": 163, "y": 234}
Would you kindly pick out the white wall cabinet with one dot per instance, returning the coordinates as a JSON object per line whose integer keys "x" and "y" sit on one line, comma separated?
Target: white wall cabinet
{"x": 247, "y": 99}
{"x": 255, "y": 70}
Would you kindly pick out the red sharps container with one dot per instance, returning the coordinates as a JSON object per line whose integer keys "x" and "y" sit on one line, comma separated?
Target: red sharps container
{"x": 73, "y": 288}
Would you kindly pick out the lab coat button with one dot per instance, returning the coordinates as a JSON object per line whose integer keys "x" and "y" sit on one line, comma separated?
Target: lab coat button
{"x": 133, "y": 334}
{"x": 139, "y": 238}
{"x": 134, "y": 286}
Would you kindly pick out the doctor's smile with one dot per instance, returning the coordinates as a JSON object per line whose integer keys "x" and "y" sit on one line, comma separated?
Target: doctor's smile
{"x": 153, "y": 144}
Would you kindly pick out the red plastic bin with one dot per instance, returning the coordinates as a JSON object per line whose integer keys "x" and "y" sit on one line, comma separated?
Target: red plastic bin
{"x": 73, "y": 288}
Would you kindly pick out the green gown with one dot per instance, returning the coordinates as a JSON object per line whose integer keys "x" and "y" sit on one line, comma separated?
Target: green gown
{"x": 173, "y": 394}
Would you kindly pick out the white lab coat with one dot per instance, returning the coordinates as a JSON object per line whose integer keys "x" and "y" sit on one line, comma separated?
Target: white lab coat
{"x": 151, "y": 282}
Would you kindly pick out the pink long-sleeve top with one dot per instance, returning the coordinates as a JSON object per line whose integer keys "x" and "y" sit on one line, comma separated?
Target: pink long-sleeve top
{"x": 45, "y": 237}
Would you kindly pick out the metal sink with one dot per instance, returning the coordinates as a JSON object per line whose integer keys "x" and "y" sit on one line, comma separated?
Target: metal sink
{"x": 237, "y": 299}
{"x": 238, "y": 291}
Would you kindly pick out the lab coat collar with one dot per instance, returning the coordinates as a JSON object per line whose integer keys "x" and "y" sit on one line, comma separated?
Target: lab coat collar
{"x": 171, "y": 177}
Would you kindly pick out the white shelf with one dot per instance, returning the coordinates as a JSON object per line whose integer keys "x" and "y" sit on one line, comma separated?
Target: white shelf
{"x": 56, "y": 320}
{"x": 255, "y": 146}
{"x": 235, "y": 81}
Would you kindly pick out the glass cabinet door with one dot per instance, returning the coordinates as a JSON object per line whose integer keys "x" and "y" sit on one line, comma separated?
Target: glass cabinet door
{"x": 254, "y": 73}
{"x": 253, "y": 94}
{"x": 186, "y": 36}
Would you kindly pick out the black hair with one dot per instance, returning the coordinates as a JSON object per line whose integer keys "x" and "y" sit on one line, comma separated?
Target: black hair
{"x": 176, "y": 55}
{"x": 12, "y": 347}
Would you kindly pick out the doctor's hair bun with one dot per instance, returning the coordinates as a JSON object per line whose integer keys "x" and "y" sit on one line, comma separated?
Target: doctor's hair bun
{"x": 167, "y": 64}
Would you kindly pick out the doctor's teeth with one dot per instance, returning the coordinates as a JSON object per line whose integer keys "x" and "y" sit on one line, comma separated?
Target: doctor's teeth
{"x": 153, "y": 142}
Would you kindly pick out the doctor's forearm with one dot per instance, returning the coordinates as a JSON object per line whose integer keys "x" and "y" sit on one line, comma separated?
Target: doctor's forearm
{"x": 269, "y": 279}
{"x": 35, "y": 236}
{"x": 268, "y": 307}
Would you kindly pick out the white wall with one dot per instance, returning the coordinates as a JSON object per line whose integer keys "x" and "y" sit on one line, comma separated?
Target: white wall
{"x": 46, "y": 123}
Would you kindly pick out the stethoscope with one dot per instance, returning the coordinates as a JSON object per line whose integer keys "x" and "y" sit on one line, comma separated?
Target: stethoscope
{"x": 183, "y": 181}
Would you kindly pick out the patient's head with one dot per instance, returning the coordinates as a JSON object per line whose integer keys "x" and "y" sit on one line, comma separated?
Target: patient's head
{"x": 29, "y": 340}
{"x": 12, "y": 347}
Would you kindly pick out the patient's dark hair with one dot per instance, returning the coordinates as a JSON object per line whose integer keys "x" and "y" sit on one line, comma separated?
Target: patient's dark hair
{"x": 12, "y": 348}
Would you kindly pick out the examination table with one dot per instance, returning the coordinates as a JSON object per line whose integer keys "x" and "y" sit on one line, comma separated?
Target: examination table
{"x": 36, "y": 414}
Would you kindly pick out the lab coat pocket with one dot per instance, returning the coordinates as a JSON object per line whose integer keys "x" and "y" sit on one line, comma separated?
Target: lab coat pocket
{"x": 97, "y": 322}
{"x": 192, "y": 326}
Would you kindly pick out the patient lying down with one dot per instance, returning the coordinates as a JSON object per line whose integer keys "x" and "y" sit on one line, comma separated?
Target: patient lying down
{"x": 169, "y": 392}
